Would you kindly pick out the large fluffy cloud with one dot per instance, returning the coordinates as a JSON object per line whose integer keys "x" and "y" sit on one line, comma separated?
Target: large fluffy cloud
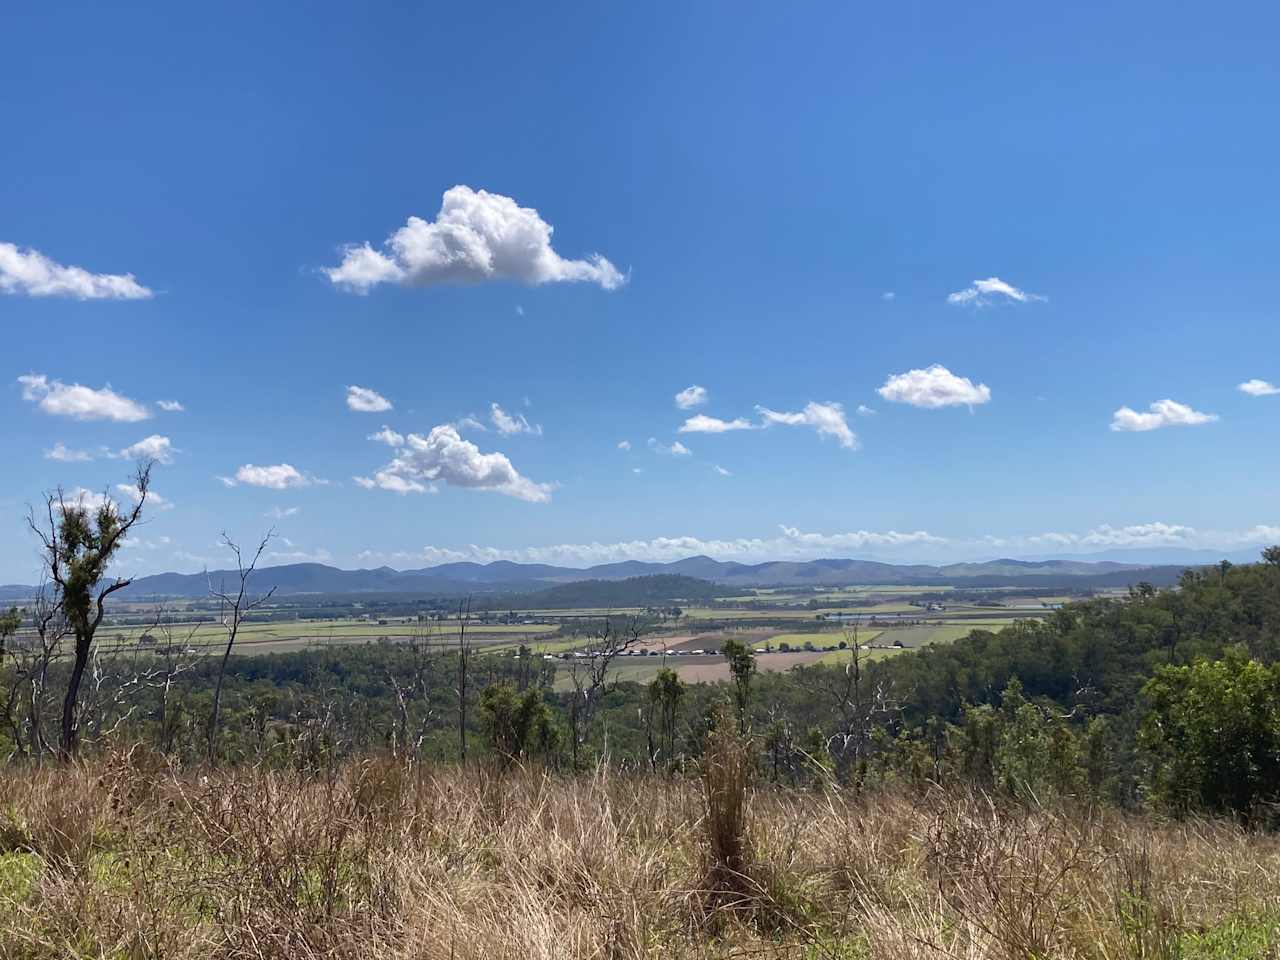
{"x": 934, "y": 387}
{"x": 32, "y": 273}
{"x": 443, "y": 456}
{"x": 827, "y": 418}
{"x": 80, "y": 402}
{"x": 1162, "y": 413}
{"x": 476, "y": 236}
{"x": 364, "y": 400}
{"x": 983, "y": 292}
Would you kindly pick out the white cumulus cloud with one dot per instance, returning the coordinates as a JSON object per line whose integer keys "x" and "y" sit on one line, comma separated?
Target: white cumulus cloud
{"x": 170, "y": 406}
{"x": 79, "y": 402}
{"x": 1258, "y": 388}
{"x": 443, "y": 456}
{"x": 624, "y": 444}
{"x": 722, "y": 471}
{"x": 364, "y": 400}
{"x": 690, "y": 397}
{"x": 1162, "y": 413}
{"x": 476, "y": 236}
{"x": 388, "y": 436}
{"x": 154, "y": 447}
{"x": 933, "y": 388}
{"x": 983, "y": 292}
{"x": 61, "y": 452}
{"x": 32, "y": 273}
{"x": 788, "y": 544}
{"x": 280, "y": 476}
{"x": 826, "y": 418}
{"x": 701, "y": 423}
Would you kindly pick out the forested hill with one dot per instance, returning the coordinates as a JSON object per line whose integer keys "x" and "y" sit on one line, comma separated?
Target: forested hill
{"x": 504, "y": 577}
{"x": 1094, "y": 657}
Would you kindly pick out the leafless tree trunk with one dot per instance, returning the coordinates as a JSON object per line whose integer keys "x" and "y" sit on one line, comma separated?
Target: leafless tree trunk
{"x": 234, "y": 608}
{"x": 859, "y": 703}
{"x": 590, "y": 676}
{"x": 464, "y": 664}
{"x": 416, "y": 688}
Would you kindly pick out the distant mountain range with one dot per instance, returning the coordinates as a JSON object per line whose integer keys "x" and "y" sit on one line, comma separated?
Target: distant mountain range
{"x": 504, "y": 576}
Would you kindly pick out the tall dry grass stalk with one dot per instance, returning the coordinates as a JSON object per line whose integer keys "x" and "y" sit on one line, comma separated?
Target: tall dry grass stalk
{"x": 126, "y": 858}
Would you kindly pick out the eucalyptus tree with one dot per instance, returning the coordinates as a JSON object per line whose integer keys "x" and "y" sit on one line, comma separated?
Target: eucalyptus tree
{"x": 80, "y": 539}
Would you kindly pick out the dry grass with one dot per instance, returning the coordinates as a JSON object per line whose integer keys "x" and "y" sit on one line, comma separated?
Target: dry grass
{"x": 124, "y": 858}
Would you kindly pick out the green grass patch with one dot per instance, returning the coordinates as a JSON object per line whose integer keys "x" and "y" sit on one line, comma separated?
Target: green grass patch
{"x": 1237, "y": 938}
{"x": 18, "y": 875}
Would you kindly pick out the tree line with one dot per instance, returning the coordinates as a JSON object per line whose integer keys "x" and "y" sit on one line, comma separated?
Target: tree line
{"x": 1165, "y": 698}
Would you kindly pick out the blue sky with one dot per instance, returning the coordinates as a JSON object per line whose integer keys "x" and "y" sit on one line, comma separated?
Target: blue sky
{"x": 759, "y": 181}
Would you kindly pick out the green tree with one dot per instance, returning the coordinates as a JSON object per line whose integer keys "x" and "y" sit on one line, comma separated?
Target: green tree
{"x": 516, "y": 721}
{"x": 742, "y": 666}
{"x": 8, "y": 627}
{"x": 666, "y": 691}
{"x": 79, "y": 542}
{"x": 1212, "y": 735}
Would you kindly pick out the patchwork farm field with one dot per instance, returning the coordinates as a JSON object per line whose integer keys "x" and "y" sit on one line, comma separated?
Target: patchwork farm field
{"x": 885, "y": 620}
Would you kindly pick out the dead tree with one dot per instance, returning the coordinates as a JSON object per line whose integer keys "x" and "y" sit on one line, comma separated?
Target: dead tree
{"x": 78, "y": 548}
{"x": 50, "y": 628}
{"x": 234, "y": 607}
{"x": 174, "y": 656}
{"x": 860, "y": 701}
{"x": 464, "y": 664}
{"x": 415, "y": 688}
{"x": 591, "y": 677}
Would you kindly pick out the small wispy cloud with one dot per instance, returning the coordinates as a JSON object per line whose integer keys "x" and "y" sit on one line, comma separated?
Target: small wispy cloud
{"x": 508, "y": 424}
{"x": 701, "y": 423}
{"x": 1258, "y": 388}
{"x": 690, "y": 397}
{"x": 676, "y": 449}
{"x": 984, "y": 292}
{"x": 62, "y": 453}
{"x": 364, "y": 400}
{"x": 828, "y": 419}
